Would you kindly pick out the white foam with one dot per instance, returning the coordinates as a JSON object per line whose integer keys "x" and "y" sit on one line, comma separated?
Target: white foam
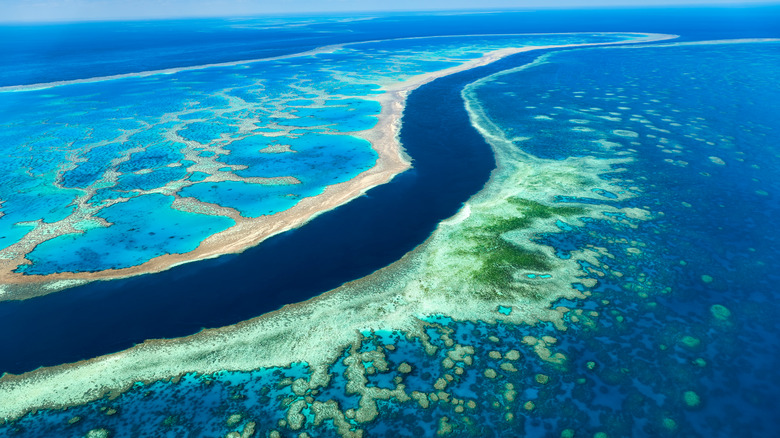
{"x": 459, "y": 217}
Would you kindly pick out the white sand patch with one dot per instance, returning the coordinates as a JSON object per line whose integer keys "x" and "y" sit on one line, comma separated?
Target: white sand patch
{"x": 459, "y": 217}
{"x": 63, "y": 284}
{"x": 625, "y": 133}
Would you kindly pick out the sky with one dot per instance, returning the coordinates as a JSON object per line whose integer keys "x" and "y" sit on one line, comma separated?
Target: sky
{"x": 86, "y": 10}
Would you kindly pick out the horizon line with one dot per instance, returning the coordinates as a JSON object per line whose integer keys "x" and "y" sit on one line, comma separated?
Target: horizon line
{"x": 390, "y": 12}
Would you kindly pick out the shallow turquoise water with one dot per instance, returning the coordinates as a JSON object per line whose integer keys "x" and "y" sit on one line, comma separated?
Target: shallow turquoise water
{"x": 167, "y": 231}
{"x": 252, "y": 200}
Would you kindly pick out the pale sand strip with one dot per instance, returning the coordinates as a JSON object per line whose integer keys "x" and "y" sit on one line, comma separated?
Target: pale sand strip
{"x": 325, "y": 49}
{"x": 249, "y": 232}
{"x": 165, "y": 71}
{"x": 714, "y": 42}
{"x": 313, "y": 331}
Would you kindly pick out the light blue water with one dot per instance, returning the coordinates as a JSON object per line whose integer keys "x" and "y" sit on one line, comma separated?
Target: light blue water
{"x": 167, "y": 231}
{"x": 252, "y": 200}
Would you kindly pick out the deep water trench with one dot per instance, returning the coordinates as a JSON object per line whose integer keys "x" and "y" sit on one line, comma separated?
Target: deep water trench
{"x": 451, "y": 163}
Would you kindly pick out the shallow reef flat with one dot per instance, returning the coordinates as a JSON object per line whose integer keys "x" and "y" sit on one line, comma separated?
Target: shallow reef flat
{"x": 575, "y": 295}
{"x": 223, "y": 156}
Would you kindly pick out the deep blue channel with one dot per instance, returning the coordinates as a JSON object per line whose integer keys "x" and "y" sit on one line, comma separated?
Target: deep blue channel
{"x": 451, "y": 162}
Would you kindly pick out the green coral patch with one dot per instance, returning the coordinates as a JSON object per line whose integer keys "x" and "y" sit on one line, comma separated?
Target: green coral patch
{"x": 500, "y": 258}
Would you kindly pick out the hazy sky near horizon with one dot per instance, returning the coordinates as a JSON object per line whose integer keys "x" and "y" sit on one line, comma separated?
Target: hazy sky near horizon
{"x": 79, "y": 10}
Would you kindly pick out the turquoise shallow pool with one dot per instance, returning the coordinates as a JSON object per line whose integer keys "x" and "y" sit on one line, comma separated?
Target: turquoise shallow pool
{"x": 168, "y": 231}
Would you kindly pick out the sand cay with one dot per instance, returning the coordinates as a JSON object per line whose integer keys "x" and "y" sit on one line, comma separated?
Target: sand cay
{"x": 249, "y": 232}
{"x": 307, "y": 332}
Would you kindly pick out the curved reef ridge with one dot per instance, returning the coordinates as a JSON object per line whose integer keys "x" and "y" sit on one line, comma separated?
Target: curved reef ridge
{"x": 484, "y": 264}
{"x": 277, "y": 142}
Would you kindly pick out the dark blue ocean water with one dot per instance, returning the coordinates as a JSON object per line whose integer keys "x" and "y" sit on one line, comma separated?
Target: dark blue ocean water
{"x": 642, "y": 361}
{"x": 699, "y": 123}
{"x": 55, "y": 52}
